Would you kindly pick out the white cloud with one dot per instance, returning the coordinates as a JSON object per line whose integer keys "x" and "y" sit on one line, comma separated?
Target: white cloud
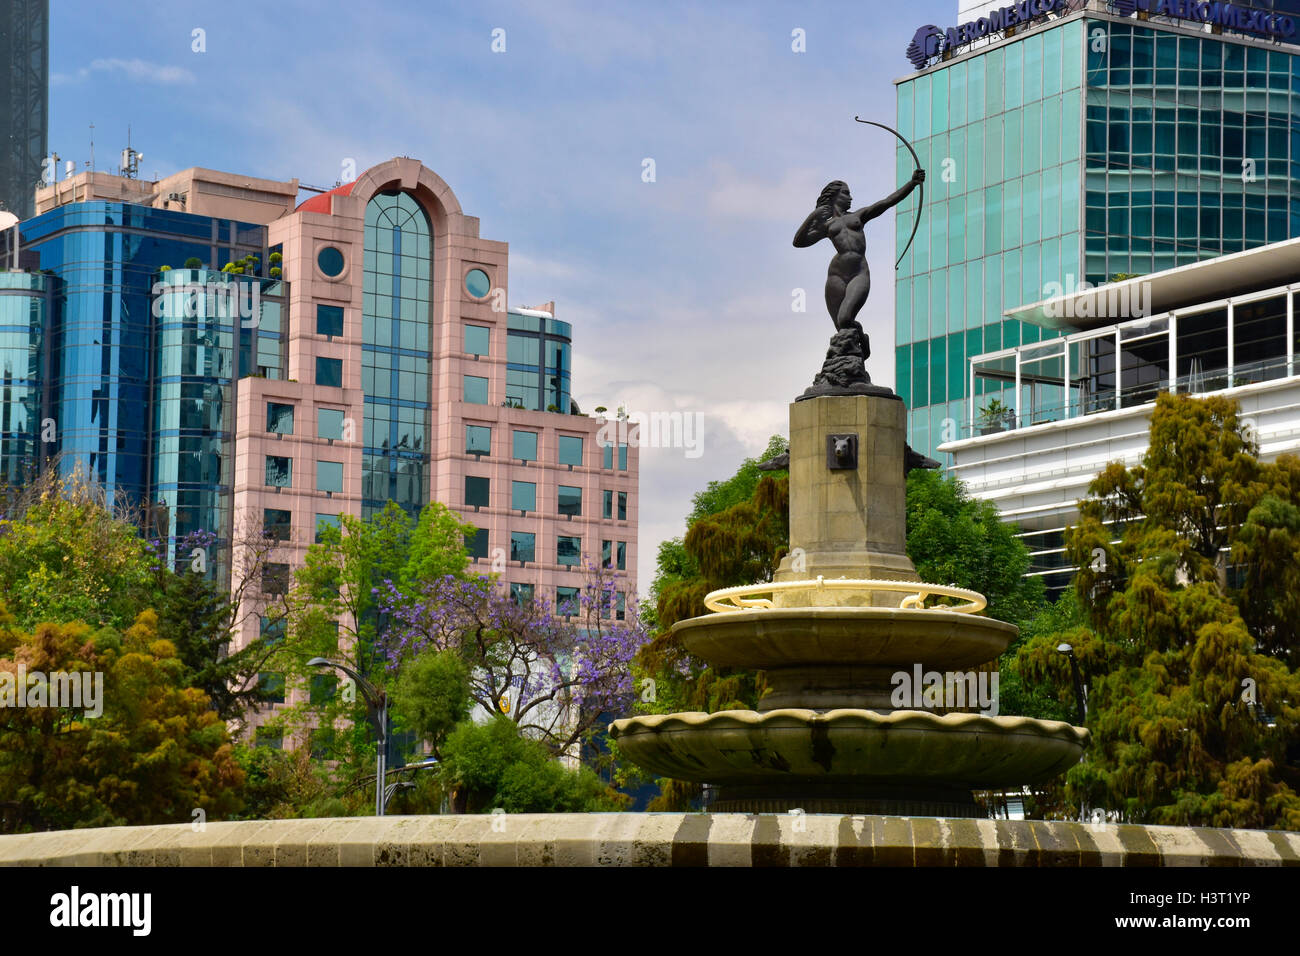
{"x": 137, "y": 70}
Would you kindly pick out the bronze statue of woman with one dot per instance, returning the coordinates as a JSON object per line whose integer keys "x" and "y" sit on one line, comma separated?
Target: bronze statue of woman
{"x": 848, "y": 280}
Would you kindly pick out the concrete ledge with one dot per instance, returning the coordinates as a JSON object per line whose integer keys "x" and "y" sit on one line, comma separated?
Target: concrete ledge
{"x": 652, "y": 839}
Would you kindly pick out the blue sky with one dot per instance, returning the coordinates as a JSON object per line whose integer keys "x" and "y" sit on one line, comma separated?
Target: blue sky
{"x": 679, "y": 290}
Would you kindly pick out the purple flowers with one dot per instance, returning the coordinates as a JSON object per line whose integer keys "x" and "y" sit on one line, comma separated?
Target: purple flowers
{"x": 551, "y": 673}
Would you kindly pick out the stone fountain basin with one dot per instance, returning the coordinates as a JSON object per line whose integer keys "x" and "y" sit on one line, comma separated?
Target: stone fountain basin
{"x": 783, "y": 637}
{"x": 740, "y": 747}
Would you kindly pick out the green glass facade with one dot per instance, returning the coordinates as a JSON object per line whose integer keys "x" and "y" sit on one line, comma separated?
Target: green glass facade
{"x": 1079, "y": 150}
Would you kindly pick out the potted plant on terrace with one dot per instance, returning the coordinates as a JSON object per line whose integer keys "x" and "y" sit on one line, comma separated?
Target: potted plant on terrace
{"x": 996, "y": 417}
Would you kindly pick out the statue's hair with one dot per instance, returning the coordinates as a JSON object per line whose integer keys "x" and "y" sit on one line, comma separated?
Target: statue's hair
{"x": 828, "y": 194}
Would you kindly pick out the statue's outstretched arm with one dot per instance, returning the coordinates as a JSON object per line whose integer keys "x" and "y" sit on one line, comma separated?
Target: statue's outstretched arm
{"x": 813, "y": 229}
{"x": 868, "y": 213}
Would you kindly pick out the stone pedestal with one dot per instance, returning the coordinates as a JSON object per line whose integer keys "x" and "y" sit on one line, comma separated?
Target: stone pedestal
{"x": 847, "y": 522}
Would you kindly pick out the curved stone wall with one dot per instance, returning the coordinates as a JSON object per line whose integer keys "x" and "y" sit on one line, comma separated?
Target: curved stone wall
{"x": 652, "y": 839}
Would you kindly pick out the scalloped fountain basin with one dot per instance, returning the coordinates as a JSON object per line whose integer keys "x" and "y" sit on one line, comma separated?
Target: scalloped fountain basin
{"x": 784, "y": 637}
{"x": 741, "y": 747}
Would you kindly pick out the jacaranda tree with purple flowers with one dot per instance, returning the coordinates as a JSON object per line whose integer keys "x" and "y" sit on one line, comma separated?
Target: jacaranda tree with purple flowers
{"x": 553, "y": 671}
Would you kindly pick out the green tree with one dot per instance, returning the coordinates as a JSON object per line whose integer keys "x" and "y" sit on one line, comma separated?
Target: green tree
{"x": 64, "y": 557}
{"x": 332, "y": 612}
{"x": 955, "y": 539}
{"x": 1175, "y": 668}
{"x": 486, "y": 766}
{"x": 156, "y": 752}
{"x": 432, "y": 695}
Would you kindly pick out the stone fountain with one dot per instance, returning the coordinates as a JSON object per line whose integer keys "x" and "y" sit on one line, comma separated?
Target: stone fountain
{"x": 844, "y": 617}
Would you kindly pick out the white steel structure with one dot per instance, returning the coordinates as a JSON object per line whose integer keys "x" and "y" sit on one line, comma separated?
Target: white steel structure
{"x": 1224, "y": 326}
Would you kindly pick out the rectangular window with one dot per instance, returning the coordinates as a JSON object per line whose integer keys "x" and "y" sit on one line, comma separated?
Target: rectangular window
{"x": 273, "y": 629}
{"x": 620, "y": 606}
{"x": 279, "y": 418}
{"x": 322, "y": 688}
{"x": 279, "y": 471}
{"x": 329, "y": 319}
{"x": 477, "y": 339}
{"x": 570, "y": 501}
{"x": 523, "y": 546}
{"x": 523, "y": 496}
{"x": 329, "y": 476}
{"x": 521, "y": 593}
{"x": 566, "y": 602}
{"x": 608, "y": 459}
{"x": 621, "y": 562}
{"x": 607, "y": 456}
{"x": 320, "y": 741}
{"x": 275, "y": 578}
{"x": 607, "y": 510}
{"x": 476, "y": 389}
{"x": 329, "y": 423}
{"x": 476, "y": 543}
{"x": 524, "y": 446}
{"x": 477, "y": 491}
{"x": 570, "y": 450}
{"x": 266, "y": 737}
{"x": 568, "y": 550}
{"x": 275, "y": 523}
{"x": 622, "y": 506}
{"x": 606, "y": 554}
{"x": 478, "y": 440}
{"x": 329, "y": 372}
{"x": 326, "y": 521}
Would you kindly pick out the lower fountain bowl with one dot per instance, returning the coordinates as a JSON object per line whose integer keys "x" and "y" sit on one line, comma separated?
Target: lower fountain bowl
{"x": 850, "y": 761}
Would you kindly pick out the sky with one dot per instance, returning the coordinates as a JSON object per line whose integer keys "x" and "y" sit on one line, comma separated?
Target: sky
{"x": 681, "y": 290}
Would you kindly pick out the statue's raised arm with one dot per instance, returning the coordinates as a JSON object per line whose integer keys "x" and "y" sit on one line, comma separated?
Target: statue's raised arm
{"x": 868, "y": 213}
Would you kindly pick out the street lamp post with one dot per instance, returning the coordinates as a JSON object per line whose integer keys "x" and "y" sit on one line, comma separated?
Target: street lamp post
{"x": 377, "y": 712}
{"x": 1080, "y": 695}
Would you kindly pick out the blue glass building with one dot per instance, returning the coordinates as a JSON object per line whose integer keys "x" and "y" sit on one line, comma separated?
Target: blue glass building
{"x": 132, "y": 366}
{"x": 1083, "y": 146}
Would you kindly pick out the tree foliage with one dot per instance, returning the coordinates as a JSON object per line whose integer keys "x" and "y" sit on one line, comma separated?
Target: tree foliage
{"x": 491, "y": 765}
{"x": 1186, "y": 635}
{"x": 156, "y": 753}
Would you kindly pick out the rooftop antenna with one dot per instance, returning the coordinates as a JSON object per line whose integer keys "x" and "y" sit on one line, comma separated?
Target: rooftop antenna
{"x": 130, "y": 158}
{"x": 92, "y": 147}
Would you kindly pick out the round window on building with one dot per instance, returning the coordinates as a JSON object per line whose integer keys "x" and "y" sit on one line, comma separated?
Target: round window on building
{"x": 330, "y": 261}
{"x": 477, "y": 283}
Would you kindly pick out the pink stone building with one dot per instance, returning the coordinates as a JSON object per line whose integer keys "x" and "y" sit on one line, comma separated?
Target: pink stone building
{"x": 393, "y": 366}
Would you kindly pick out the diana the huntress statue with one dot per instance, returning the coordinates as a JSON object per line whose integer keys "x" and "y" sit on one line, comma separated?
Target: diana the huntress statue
{"x": 848, "y": 284}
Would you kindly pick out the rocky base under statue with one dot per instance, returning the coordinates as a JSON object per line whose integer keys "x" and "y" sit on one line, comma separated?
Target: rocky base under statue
{"x": 845, "y": 370}
{"x": 845, "y": 373}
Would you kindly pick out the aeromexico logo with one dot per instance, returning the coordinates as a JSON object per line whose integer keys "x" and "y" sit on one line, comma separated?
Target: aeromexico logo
{"x": 211, "y": 299}
{"x": 930, "y": 41}
{"x": 1240, "y": 17}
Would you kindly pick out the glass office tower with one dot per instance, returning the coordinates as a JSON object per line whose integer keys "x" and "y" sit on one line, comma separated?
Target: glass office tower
{"x": 24, "y": 97}
{"x": 1081, "y": 148}
{"x": 133, "y": 360}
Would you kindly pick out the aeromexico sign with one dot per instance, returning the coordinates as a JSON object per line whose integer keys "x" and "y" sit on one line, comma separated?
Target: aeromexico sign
{"x": 930, "y": 41}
